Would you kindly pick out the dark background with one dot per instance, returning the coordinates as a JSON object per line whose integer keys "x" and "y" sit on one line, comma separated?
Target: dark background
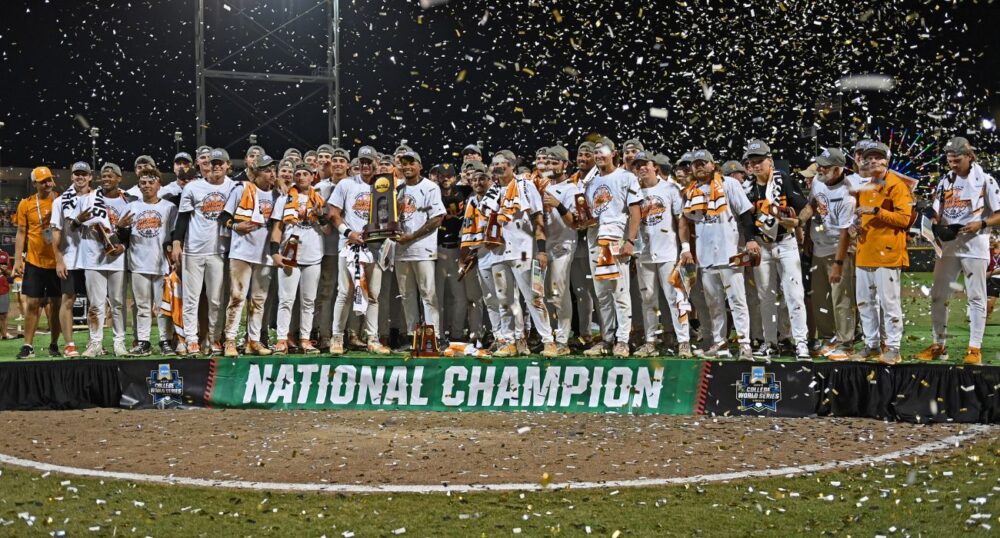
{"x": 514, "y": 74}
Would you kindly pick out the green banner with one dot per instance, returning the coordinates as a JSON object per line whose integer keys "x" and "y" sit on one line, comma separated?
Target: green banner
{"x": 564, "y": 385}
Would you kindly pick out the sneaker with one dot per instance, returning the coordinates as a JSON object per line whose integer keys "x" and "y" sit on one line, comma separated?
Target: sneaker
{"x": 597, "y": 350}
{"x": 141, "y": 349}
{"x": 621, "y": 350}
{"x": 257, "y": 348}
{"x": 120, "y": 350}
{"x": 562, "y": 350}
{"x": 354, "y": 341}
{"x": 647, "y": 350}
{"x": 506, "y": 350}
{"x": 193, "y": 349}
{"x": 522, "y": 347}
{"x": 69, "y": 351}
{"x": 765, "y": 351}
{"x": 840, "y": 353}
{"x": 27, "y": 352}
{"x": 281, "y": 347}
{"x": 973, "y": 356}
{"x": 230, "y": 349}
{"x": 746, "y": 352}
{"x": 891, "y": 356}
{"x": 94, "y": 349}
{"x": 550, "y": 350}
{"x": 54, "y": 350}
{"x": 337, "y": 344}
{"x": 308, "y": 348}
{"x": 868, "y": 354}
{"x": 165, "y": 349}
{"x": 406, "y": 347}
{"x": 933, "y": 352}
{"x": 215, "y": 349}
{"x": 802, "y": 352}
{"x": 684, "y": 350}
{"x": 181, "y": 350}
{"x": 376, "y": 347}
{"x": 717, "y": 351}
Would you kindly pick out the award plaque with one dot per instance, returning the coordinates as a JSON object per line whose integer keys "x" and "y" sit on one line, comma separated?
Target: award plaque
{"x": 290, "y": 252}
{"x": 383, "y": 215}
{"x": 424, "y": 342}
{"x": 584, "y": 216}
{"x": 745, "y": 259}
{"x": 494, "y": 231}
{"x": 108, "y": 239}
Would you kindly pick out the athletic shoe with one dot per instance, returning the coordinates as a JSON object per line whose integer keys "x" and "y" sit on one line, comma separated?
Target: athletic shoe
{"x": 404, "y": 348}
{"x": 193, "y": 349}
{"x": 839, "y": 353}
{"x": 550, "y": 350}
{"x": 868, "y": 354}
{"x": 802, "y": 352}
{"x": 933, "y": 352}
{"x": 891, "y": 356}
{"x": 27, "y": 352}
{"x": 562, "y": 350}
{"x": 94, "y": 349}
{"x": 746, "y": 352}
{"x": 281, "y": 347}
{"x": 522, "y": 347}
{"x": 120, "y": 350}
{"x": 973, "y": 356}
{"x": 181, "y": 350}
{"x": 69, "y": 351}
{"x": 376, "y": 347}
{"x": 141, "y": 349}
{"x": 215, "y": 349}
{"x": 337, "y": 344}
{"x": 165, "y": 349}
{"x": 647, "y": 350}
{"x": 506, "y": 350}
{"x": 354, "y": 341}
{"x": 765, "y": 351}
{"x": 597, "y": 350}
{"x": 684, "y": 350}
{"x": 720, "y": 351}
{"x": 309, "y": 349}
{"x": 621, "y": 350}
{"x": 323, "y": 343}
{"x": 54, "y": 350}
{"x": 256, "y": 348}
{"x": 230, "y": 349}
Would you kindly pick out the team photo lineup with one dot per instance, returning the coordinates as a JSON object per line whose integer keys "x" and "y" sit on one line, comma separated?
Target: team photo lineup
{"x": 614, "y": 251}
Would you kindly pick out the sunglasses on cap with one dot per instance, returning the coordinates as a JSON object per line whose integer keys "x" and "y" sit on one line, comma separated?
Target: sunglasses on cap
{"x": 499, "y": 161}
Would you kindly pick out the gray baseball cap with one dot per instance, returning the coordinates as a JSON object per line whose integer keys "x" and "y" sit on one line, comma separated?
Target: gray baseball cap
{"x": 403, "y": 148}
{"x": 585, "y": 147}
{"x": 325, "y": 148}
{"x": 265, "y": 161}
{"x": 80, "y": 166}
{"x": 472, "y": 148}
{"x": 202, "y": 150}
{"x": 286, "y": 163}
{"x": 643, "y": 156}
{"x": 831, "y": 157}
{"x": 475, "y": 166}
{"x": 861, "y": 145}
{"x": 686, "y": 158}
{"x": 558, "y": 153}
{"x": 290, "y": 151}
{"x": 959, "y": 146}
{"x": 144, "y": 159}
{"x": 702, "y": 155}
{"x": 541, "y": 151}
{"x": 304, "y": 167}
{"x": 729, "y": 167}
{"x": 219, "y": 154}
{"x": 117, "y": 170}
{"x": 368, "y": 152}
{"x": 183, "y": 156}
{"x": 661, "y": 160}
{"x": 877, "y": 147}
{"x": 410, "y": 154}
{"x": 610, "y": 144}
{"x": 633, "y": 143}
{"x": 260, "y": 150}
{"x": 508, "y": 155}
{"x": 757, "y": 148}
{"x": 341, "y": 152}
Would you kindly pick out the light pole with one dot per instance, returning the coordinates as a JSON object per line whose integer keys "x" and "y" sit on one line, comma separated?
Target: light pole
{"x": 94, "y": 133}
{"x": 178, "y": 138}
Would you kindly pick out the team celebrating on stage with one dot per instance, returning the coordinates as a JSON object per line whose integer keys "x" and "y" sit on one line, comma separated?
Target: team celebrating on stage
{"x": 684, "y": 258}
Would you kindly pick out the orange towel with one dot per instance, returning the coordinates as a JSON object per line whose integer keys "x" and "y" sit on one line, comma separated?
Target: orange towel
{"x": 607, "y": 263}
{"x": 313, "y": 202}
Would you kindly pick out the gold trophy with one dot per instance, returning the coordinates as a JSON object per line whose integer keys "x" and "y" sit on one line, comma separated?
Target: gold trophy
{"x": 108, "y": 239}
{"x": 383, "y": 216}
{"x": 494, "y": 231}
{"x": 424, "y": 342}
{"x": 745, "y": 259}
{"x": 584, "y": 216}
{"x": 290, "y": 252}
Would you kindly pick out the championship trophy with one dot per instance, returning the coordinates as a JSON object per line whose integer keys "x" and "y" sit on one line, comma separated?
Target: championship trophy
{"x": 108, "y": 239}
{"x": 383, "y": 216}
{"x": 494, "y": 231}
{"x": 745, "y": 259}
{"x": 424, "y": 342}
{"x": 290, "y": 252}
{"x": 584, "y": 216}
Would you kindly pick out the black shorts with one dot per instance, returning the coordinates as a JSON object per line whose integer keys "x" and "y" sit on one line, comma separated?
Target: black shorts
{"x": 39, "y": 283}
{"x": 75, "y": 283}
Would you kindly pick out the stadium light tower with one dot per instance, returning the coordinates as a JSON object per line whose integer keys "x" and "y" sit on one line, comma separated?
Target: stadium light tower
{"x": 327, "y": 77}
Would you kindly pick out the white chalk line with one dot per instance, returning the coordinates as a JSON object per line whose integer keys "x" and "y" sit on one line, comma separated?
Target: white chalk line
{"x": 952, "y": 441}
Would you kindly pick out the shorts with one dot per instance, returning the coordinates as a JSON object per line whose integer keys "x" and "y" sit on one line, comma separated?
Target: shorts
{"x": 4, "y": 304}
{"x": 39, "y": 283}
{"x": 75, "y": 282}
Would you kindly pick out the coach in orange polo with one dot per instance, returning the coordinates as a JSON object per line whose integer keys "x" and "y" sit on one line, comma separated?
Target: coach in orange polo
{"x": 885, "y": 210}
{"x": 38, "y": 267}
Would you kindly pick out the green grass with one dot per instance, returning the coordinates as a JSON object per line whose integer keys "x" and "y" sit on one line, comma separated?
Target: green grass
{"x": 930, "y": 496}
{"x": 916, "y": 335}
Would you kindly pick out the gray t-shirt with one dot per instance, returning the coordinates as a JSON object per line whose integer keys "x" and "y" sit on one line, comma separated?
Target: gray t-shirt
{"x": 206, "y": 202}
{"x": 151, "y": 228}
{"x": 252, "y": 247}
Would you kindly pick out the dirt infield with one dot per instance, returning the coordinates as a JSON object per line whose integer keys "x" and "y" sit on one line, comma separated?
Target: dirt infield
{"x": 436, "y": 448}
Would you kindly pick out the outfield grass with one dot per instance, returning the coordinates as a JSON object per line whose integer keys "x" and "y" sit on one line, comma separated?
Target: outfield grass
{"x": 916, "y": 336}
{"x": 929, "y": 496}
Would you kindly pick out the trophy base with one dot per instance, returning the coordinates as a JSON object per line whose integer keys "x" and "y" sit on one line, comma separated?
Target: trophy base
{"x": 424, "y": 342}
{"x": 290, "y": 263}
{"x": 582, "y": 225}
{"x": 371, "y": 233}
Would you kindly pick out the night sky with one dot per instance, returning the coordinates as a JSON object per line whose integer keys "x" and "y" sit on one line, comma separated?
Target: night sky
{"x": 514, "y": 74}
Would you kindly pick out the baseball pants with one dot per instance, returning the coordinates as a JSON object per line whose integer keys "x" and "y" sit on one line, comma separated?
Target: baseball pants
{"x": 103, "y": 288}
{"x": 614, "y": 301}
{"x": 502, "y": 317}
{"x": 345, "y": 294}
{"x": 781, "y": 266}
{"x": 946, "y": 271}
{"x": 417, "y": 277}
{"x": 513, "y": 276}
{"x": 199, "y": 271}
{"x": 725, "y": 281}
{"x": 245, "y": 277}
{"x": 878, "y": 291}
{"x": 304, "y": 280}
{"x": 557, "y": 283}
{"x": 148, "y": 293}
{"x": 833, "y": 303}
{"x": 652, "y": 277}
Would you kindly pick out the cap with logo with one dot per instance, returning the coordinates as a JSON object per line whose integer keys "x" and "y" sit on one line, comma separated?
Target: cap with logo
{"x": 507, "y": 155}
{"x": 729, "y": 167}
{"x": 959, "y": 146}
{"x": 541, "y": 152}
{"x": 472, "y": 149}
{"x": 558, "y": 153}
{"x": 310, "y": 153}
{"x": 80, "y": 166}
{"x": 876, "y": 147}
{"x": 265, "y": 161}
{"x": 40, "y": 174}
{"x": 860, "y": 145}
{"x": 385, "y": 158}
{"x": 410, "y": 154}
{"x": 303, "y": 167}
{"x": 403, "y": 148}
{"x": 633, "y": 144}
{"x": 368, "y": 152}
{"x": 831, "y": 157}
{"x": 474, "y": 166}
{"x": 443, "y": 169}
{"x": 286, "y": 163}
{"x": 292, "y": 151}
{"x": 258, "y": 149}
{"x": 702, "y": 155}
{"x": 686, "y": 158}
{"x": 219, "y": 154}
{"x": 325, "y": 148}
{"x": 202, "y": 150}
{"x": 115, "y": 169}
{"x": 642, "y": 156}
{"x": 342, "y": 153}
{"x": 607, "y": 142}
{"x": 144, "y": 159}
{"x": 183, "y": 156}
{"x": 585, "y": 147}
{"x": 661, "y": 160}
{"x": 756, "y": 148}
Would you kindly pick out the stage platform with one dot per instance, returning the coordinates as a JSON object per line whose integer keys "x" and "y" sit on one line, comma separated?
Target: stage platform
{"x": 911, "y": 392}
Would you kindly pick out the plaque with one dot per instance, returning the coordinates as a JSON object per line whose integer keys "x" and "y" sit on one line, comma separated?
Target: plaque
{"x": 494, "y": 231}
{"x": 745, "y": 259}
{"x": 290, "y": 252}
{"x": 108, "y": 239}
{"x": 424, "y": 342}
{"x": 584, "y": 216}
{"x": 383, "y": 215}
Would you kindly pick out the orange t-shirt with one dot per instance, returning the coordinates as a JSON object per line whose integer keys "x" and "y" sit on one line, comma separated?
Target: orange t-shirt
{"x": 882, "y": 240}
{"x": 40, "y": 253}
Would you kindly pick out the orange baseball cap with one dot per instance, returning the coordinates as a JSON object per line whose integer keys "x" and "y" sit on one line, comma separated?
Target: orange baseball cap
{"x": 41, "y": 174}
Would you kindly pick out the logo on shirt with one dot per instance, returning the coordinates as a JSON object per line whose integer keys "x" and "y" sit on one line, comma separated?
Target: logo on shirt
{"x": 652, "y": 208}
{"x": 602, "y": 199}
{"x": 212, "y": 205}
{"x": 362, "y": 205}
{"x": 266, "y": 207}
{"x": 954, "y": 206}
{"x": 407, "y": 207}
{"x": 148, "y": 224}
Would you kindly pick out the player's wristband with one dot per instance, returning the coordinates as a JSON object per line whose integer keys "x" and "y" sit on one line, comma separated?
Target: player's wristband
{"x": 347, "y": 233}
{"x": 562, "y": 209}
{"x": 839, "y": 262}
{"x": 342, "y": 229}
{"x": 275, "y": 246}
{"x": 540, "y": 245}
{"x": 630, "y": 241}
{"x": 685, "y": 247}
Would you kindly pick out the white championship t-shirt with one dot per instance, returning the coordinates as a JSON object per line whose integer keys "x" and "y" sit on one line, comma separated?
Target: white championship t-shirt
{"x": 252, "y": 247}
{"x": 310, "y": 250}
{"x": 64, "y": 210}
{"x": 718, "y": 237}
{"x": 834, "y": 212}
{"x": 151, "y": 227}
{"x": 106, "y": 212}
{"x": 559, "y": 237}
{"x": 418, "y": 204}
{"x": 610, "y": 197}
{"x": 956, "y": 203}
{"x": 354, "y": 198}
{"x": 660, "y": 204}
{"x": 519, "y": 232}
{"x": 331, "y": 242}
{"x": 206, "y": 202}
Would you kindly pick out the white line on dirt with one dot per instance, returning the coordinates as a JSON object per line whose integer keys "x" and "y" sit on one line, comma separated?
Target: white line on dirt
{"x": 952, "y": 441}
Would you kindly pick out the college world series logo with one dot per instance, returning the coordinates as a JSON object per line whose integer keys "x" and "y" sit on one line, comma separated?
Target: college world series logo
{"x": 758, "y": 391}
{"x": 166, "y": 386}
